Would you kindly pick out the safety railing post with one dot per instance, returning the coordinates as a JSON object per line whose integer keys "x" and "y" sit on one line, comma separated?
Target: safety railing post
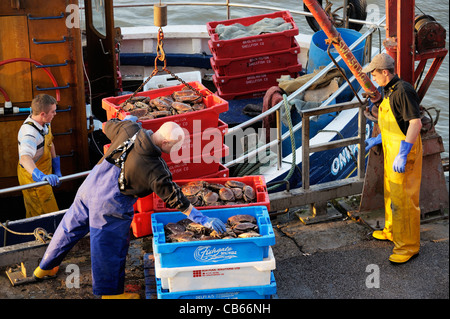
{"x": 305, "y": 151}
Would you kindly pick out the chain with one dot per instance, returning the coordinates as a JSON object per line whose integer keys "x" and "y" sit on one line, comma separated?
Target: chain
{"x": 184, "y": 82}
{"x": 160, "y": 56}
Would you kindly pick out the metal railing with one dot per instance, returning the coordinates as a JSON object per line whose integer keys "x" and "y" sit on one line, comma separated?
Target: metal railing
{"x": 228, "y": 5}
{"x": 39, "y": 184}
{"x": 307, "y": 149}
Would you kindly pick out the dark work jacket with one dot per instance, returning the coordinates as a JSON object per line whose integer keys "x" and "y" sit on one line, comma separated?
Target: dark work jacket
{"x": 404, "y": 102}
{"x": 145, "y": 171}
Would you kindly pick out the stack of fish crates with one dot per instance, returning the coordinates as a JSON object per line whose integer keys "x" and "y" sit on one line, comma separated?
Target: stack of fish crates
{"x": 234, "y": 268}
{"x": 150, "y": 204}
{"x": 246, "y": 66}
{"x": 203, "y": 148}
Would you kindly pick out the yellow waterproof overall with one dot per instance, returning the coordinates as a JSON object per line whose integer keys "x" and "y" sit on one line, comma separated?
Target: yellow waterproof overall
{"x": 401, "y": 190}
{"x": 39, "y": 200}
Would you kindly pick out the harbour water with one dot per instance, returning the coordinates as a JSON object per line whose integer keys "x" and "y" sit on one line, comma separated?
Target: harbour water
{"x": 437, "y": 95}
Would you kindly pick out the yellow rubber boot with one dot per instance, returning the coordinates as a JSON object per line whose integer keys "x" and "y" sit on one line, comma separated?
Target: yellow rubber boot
{"x": 382, "y": 235}
{"x": 40, "y": 274}
{"x": 126, "y": 295}
{"x": 401, "y": 259}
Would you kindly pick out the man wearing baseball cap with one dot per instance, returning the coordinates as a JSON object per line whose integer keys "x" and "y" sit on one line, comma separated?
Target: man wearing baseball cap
{"x": 400, "y": 124}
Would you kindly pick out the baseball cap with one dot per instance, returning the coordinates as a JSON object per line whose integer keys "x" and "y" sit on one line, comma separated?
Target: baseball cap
{"x": 381, "y": 61}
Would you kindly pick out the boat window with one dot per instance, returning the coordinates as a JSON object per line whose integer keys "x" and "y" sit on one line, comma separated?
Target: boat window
{"x": 98, "y": 16}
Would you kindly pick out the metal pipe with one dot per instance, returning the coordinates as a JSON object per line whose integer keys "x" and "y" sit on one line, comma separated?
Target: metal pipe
{"x": 342, "y": 48}
{"x": 305, "y": 152}
{"x": 228, "y": 5}
{"x": 279, "y": 140}
{"x": 38, "y": 184}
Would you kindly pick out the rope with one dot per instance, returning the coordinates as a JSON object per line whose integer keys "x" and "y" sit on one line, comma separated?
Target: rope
{"x": 40, "y": 234}
{"x": 287, "y": 110}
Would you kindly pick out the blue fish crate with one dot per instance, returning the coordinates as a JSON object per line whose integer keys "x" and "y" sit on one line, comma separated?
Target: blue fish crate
{"x": 249, "y": 292}
{"x": 217, "y": 251}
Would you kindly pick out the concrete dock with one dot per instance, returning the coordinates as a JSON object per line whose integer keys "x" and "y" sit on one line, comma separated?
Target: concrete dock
{"x": 330, "y": 260}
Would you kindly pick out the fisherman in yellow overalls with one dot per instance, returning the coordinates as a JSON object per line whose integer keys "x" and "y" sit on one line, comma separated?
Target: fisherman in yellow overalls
{"x": 37, "y": 157}
{"x": 400, "y": 124}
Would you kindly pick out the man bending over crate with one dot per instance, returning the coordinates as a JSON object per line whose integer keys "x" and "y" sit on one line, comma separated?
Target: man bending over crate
{"x": 131, "y": 168}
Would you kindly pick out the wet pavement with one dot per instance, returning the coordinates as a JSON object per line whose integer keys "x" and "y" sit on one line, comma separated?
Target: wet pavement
{"x": 341, "y": 260}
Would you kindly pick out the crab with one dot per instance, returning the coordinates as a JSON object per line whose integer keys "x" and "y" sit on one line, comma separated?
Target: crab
{"x": 182, "y": 237}
{"x": 226, "y": 194}
{"x": 141, "y": 105}
{"x": 184, "y": 222}
{"x": 157, "y": 114}
{"x": 248, "y": 193}
{"x": 214, "y": 186}
{"x": 249, "y": 234}
{"x": 127, "y": 107}
{"x": 198, "y": 106}
{"x": 195, "y": 200}
{"x": 161, "y": 103}
{"x": 241, "y": 218}
{"x": 209, "y": 197}
{"x": 138, "y": 112}
{"x": 182, "y": 107}
{"x": 234, "y": 184}
{"x": 197, "y": 229}
{"x": 244, "y": 228}
{"x": 237, "y": 192}
{"x": 186, "y": 96}
{"x": 192, "y": 188}
{"x": 174, "y": 228}
{"x": 141, "y": 98}
{"x": 146, "y": 117}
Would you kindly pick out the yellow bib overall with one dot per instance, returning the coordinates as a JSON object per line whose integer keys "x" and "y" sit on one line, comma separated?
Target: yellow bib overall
{"x": 39, "y": 200}
{"x": 401, "y": 190}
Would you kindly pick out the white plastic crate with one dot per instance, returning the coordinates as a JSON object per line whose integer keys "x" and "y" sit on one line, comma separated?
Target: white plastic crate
{"x": 166, "y": 80}
{"x": 244, "y": 274}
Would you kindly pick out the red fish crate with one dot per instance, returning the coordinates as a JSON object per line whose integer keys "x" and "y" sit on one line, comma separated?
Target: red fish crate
{"x": 257, "y": 182}
{"x": 208, "y": 117}
{"x": 249, "y": 82}
{"x": 145, "y": 204}
{"x": 194, "y": 166}
{"x": 256, "y": 63}
{"x": 142, "y": 220}
{"x": 253, "y": 44}
{"x": 251, "y": 94}
{"x": 204, "y": 141}
{"x": 201, "y": 141}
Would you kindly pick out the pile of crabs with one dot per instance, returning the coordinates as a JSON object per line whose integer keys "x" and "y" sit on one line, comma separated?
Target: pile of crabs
{"x": 202, "y": 193}
{"x": 237, "y": 226}
{"x": 179, "y": 102}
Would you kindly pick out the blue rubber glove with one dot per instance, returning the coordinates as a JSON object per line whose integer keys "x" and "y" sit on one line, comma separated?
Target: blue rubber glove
{"x": 400, "y": 159}
{"x": 132, "y": 118}
{"x": 56, "y": 165}
{"x": 197, "y": 217}
{"x": 38, "y": 176}
{"x": 373, "y": 141}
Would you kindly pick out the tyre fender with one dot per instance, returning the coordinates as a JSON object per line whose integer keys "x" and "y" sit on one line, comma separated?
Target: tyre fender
{"x": 356, "y": 10}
